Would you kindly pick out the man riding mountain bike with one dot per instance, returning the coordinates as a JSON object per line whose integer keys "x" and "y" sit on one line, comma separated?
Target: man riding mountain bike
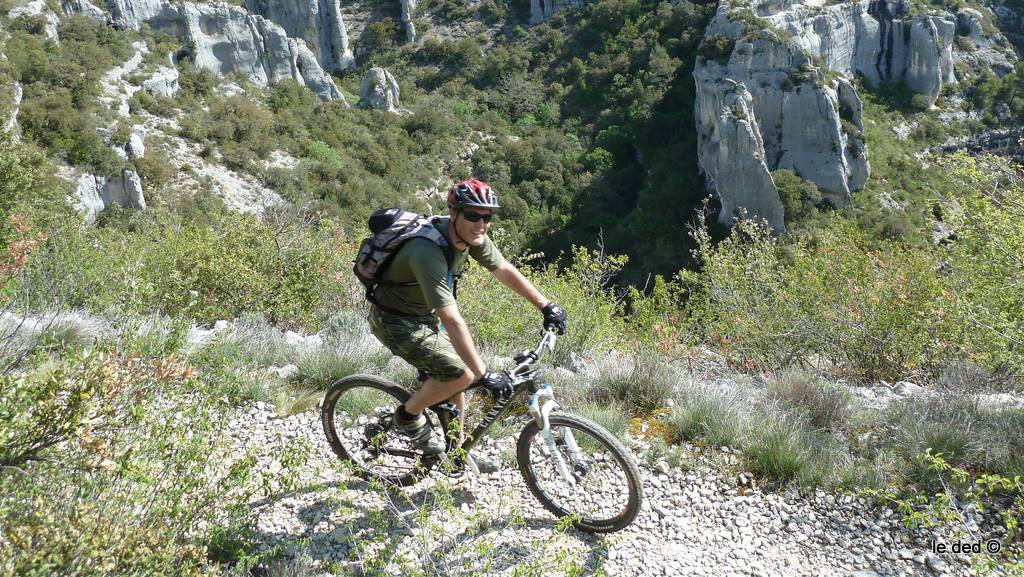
{"x": 417, "y": 292}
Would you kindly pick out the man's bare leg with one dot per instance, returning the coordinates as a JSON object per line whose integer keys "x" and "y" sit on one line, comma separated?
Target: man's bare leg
{"x": 434, "y": 391}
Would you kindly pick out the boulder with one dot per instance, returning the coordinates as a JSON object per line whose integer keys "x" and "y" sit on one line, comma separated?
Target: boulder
{"x": 379, "y": 90}
{"x": 136, "y": 147}
{"x": 319, "y": 23}
{"x": 87, "y": 199}
{"x": 163, "y": 82}
{"x": 124, "y": 191}
{"x": 83, "y": 8}
{"x": 38, "y": 8}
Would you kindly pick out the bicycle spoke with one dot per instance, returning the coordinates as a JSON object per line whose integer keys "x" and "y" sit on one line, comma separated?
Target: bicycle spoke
{"x": 357, "y": 418}
{"x": 581, "y": 472}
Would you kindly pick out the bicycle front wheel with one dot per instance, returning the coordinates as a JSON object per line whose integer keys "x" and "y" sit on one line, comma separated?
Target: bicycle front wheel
{"x": 357, "y": 419}
{"x": 581, "y": 472}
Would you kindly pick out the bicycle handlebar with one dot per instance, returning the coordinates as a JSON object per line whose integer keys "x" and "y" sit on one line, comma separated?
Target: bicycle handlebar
{"x": 548, "y": 340}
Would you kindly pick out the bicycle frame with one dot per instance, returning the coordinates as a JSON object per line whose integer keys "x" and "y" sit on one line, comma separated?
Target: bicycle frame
{"x": 540, "y": 404}
{"x": 523, "y": 379}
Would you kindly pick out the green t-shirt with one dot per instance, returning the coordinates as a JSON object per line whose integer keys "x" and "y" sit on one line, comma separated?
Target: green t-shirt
{"x": 417, "y": 282}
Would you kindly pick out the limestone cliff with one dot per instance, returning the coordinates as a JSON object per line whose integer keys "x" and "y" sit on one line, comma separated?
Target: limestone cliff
{"x": 318, "y": 22}
{"x": 788, "y": 63}
{"x": 875, "y": 39}
{"x": 226, "y": 39}
{"x": 764, "y": 103}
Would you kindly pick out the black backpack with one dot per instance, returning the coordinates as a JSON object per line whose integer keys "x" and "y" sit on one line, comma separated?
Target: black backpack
{"x": 390, "y": 228}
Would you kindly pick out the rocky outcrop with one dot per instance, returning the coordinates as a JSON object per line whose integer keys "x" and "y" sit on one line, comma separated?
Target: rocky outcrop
{"x": 38, "y": 8}
{"x": 976, "y": 48}
{"x": 135, "y": 147}
{"x": 408, "y": 9}
{"x": 94, "y": 194}
{"x": 379, "y": 90}
{"x": 83, "y": 8}
{"x": 318, "y": 22}
{"x": 227, "y": 39}
{"x": 125, "y": 191}
{"x": 541, "y": 10}
{"x": 766, "y": 105}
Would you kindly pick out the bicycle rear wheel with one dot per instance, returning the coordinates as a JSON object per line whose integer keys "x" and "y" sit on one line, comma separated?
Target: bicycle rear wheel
{"x": 582, "y": 473}
{"x": 357, "y": 419}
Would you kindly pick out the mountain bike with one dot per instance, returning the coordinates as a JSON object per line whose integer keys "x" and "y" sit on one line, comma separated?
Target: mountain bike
{"x": 573, "y": 466}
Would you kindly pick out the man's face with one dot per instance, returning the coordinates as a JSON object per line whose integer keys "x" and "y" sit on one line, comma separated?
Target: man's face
{"x": 472, "y": 232}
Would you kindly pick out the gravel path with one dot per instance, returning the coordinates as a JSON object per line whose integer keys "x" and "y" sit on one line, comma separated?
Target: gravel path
{"x": 700, "y": 522}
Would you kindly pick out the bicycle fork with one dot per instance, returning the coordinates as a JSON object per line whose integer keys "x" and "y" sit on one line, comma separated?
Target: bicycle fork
{"x": 541, "y": 404}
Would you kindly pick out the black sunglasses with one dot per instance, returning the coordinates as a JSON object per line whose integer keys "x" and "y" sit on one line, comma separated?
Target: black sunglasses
{"x": 476, "y": 216}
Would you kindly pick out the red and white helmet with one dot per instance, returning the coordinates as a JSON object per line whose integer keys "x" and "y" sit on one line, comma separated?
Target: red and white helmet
{"x": 472, "y": 193}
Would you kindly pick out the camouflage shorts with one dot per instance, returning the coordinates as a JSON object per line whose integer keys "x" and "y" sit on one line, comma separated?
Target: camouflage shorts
{"x": 419, "y": 342}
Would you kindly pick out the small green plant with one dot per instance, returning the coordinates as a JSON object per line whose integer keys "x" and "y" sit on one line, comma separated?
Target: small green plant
{"x": 960, "y": 491}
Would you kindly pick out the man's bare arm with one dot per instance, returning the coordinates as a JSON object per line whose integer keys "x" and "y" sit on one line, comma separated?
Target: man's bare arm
{"x": 458, "y": 332}
{"x": 513, "y": 279}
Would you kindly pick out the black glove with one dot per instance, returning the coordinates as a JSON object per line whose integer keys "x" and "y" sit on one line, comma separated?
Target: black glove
{"x": 498, "y": 385}
{"x": 554, "y": 318}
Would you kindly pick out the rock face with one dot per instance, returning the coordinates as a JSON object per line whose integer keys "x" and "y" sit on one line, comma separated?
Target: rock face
{"x": 227, "y": 39}
{"x": 131, "y": 14}
{"x": 379, "y": 90}
{"x": 784, "y": 64}
{"x": 408, "y": 9}
{"x": 318, "y": 22}
{"x": 763, "y": 104}
{"x": 10, "y": 125}
{"x": 732, "y": 152}
{"x": 873, "y": 38}
{"x": 38, "y": 8}
{"x": 84, "y": 8}
{"x": 980, "y": 49}
{"x": 541, "y": 10}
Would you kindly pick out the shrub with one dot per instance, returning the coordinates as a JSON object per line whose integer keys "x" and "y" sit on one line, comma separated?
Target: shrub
{"x": 710, "y": 416}
{"x": 641, "y": 382}
{"x": 133, "y": 485}
{"x": 231, "y": 265}
{"x": 505, "y": 322}
{"x": 874, "y": 312}
{"x": 984, "y": 261}
{"x": 783, "y": 448}
{"x": 825, "y": 406}
{"x": 966, "y": 433}
{"x": 800, "y": 198}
